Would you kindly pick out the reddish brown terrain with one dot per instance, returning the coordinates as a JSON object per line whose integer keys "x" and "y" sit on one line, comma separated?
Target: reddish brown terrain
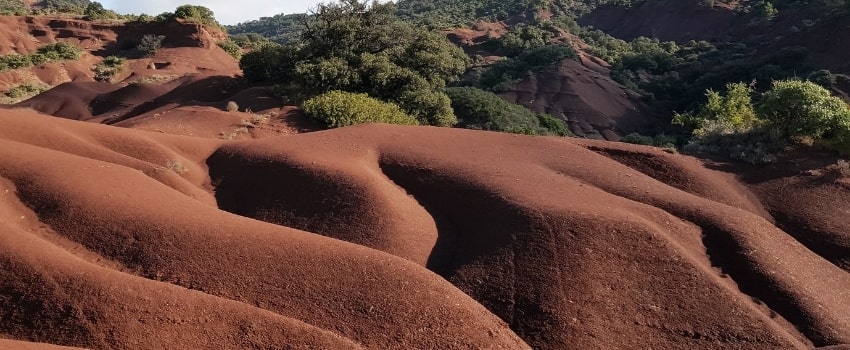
{"x": 143, "y": 215}
{"x": 583, "y": 93}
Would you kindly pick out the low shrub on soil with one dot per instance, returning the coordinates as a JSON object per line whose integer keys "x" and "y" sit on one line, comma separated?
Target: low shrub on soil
{"x": 109, "y": 68}
{"x": 339, "y": 108}
{"x": 231, "y": 48}
{"x": 47, "y": 53}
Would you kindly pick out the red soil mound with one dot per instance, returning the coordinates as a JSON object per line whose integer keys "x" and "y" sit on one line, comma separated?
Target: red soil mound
{"x": 562, "y": 242}
{"x": 193, "y": 105}
{"x": 186, "y": 49}
{"x": 820, "y": 187}
{"x": 106, "y": 263}
{"x": 583, "y": 94}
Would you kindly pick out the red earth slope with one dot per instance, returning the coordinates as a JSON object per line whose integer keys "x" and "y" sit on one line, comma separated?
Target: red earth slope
{"x": 421, "y": 238}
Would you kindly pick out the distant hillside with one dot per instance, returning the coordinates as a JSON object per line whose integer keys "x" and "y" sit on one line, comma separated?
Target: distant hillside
{"x": 43, "y": 6}
{"x": 440, "y": 14}
{"x": 280, "y": 28}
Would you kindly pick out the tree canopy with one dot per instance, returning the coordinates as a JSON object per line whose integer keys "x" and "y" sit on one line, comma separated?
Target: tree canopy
{"x": 196, "y": 13}
{"x": 480, "y": 109}
{"x": 802, "y": 108}
{"x": 790, "y": 111}
{"x": 358, "y": 47}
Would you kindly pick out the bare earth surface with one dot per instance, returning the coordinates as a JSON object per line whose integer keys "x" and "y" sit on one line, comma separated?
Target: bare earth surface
{"x": 383, "y": 236}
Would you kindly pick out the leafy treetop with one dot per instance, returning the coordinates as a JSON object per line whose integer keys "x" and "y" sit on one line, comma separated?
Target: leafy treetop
{"x": 358, "y": 47}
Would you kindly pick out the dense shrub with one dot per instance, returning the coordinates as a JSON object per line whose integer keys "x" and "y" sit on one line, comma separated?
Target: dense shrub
{"x": 282, "y": 29}
{"x": 357, "y": 47}
{"x": 553, "y": 126}
{"x": 638, "y": 139}
{"x": 95, "y": 11}
{"x": 25, "y": 90}
{"x": 109, "y": 68}
{"x": 822, "y": 77}
{"x": 791, "y": 110}
{"x": 59, "y": 51}
{"x": 64, "y": 6}
{"x": 479, "y": 109}
{"x": 47, "y": 53}
{"x": 231, "y": 48}
{"x": 13, "y": 7}
{"x": 502, "y": 75}
{"x": 338, "y": 108}
{"x": 250, "y": 41}
{"x": 521, "y": 38}
{"x": 14, "y": 61}
{"x": 797, "y": 108}
{"x": 195, "y": 13}
{"x": 722, "y": 113}
{"x": 150, "y": 44}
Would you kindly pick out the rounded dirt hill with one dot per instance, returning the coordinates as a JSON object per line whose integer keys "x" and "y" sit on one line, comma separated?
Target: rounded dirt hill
{"x": 380, "y": 236}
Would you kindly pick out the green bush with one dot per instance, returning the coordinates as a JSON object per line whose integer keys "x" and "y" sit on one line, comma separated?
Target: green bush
{"x": 24, "y": 91}
{"x": 44, "y": 54}
{"x": 95, "y": 11}
{"x": 60, "y": 51}
{"x": 14, "y": 61}
{"x": 502, "y": 75}
{"x": 822, "y": 77}
{"x": 553, "y": 125}
{"x": 791, "y": 110}
{"x": 195, "y": 13}
{"x": 13, "y": 7}
{"x": 164, "y": 17}
{"x": 231, "y": 48}
{"x": 109, "y": 68}
{"x": 360, "y": 47}
{"x": 659, "y": 140}
{"x": 338, "y": 108}
{"x": 479, "y": 109}
{"x": 521, "y": 38}
{"x": 638, "y": 139}
{"x": 722, "y": 113}
{"x": 484, "y": 110}
{"x": 150, "y": 44}
{"x": 797, "y": 108}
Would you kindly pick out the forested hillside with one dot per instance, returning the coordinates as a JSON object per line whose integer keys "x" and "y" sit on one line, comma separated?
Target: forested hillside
{"x": 672, "y": 54}
{"x": 43, "y": 6}
{"x": 281, "y": 28}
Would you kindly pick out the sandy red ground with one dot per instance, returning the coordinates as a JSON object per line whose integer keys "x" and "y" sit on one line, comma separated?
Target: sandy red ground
{"x": 397, "y": 237}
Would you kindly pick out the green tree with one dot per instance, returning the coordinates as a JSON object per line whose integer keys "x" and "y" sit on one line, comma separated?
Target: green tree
{"x": 356, "y": 47}
{"x": 338, "y": 108}
{"x": 480, "y": 109}
{"x": 798, "y": 108}
{"x": 521, "y": 38}
{"x": 95, "y": 11}
{"x": 722, "y": 113}
{"x": 150, "y": 44}
{"x": 196, "y": 13}
{"x": 231, "y": 48}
